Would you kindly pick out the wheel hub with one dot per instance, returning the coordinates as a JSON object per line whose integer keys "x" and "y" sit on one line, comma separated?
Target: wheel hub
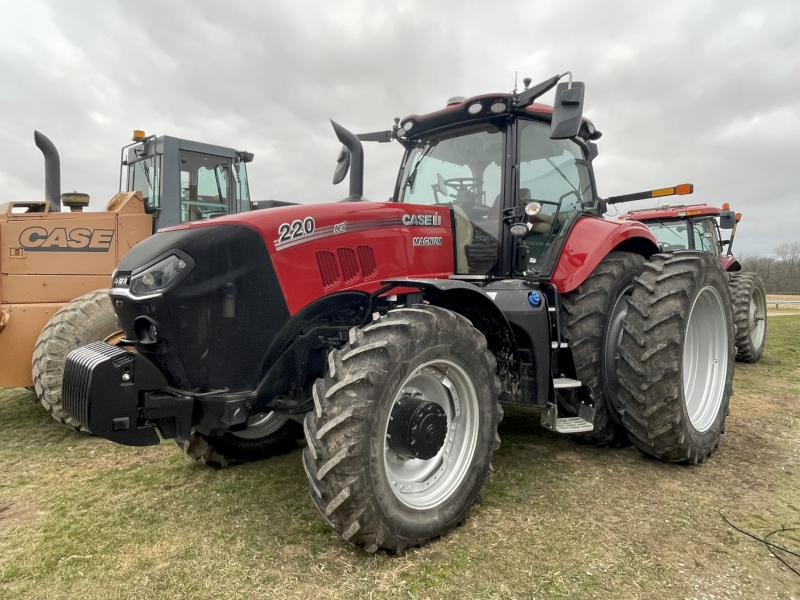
{"x": 417, "y": 428}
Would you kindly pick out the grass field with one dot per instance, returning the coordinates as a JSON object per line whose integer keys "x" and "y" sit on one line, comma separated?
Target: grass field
{"x": 83, "y": 518}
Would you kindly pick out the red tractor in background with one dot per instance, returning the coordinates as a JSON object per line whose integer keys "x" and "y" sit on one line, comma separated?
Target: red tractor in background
{"x": 700, "y": 227}
{"x": 395, "y": 330}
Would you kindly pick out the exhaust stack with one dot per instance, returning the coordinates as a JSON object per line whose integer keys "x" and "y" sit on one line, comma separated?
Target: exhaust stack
{"x": 352, "y": 158}
{"x": 52, "y": 170}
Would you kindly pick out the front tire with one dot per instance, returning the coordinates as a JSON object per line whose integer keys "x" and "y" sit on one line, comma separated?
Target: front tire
{"x": 370, "y": 492}
{"x": 87, "y": 319}
{"x": 750, "y": 315}
{"x": 676, "y": 357}
{"x": 267, "y": 434}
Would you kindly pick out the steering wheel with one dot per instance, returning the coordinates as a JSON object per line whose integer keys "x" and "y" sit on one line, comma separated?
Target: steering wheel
{"x": 457, "y": 184}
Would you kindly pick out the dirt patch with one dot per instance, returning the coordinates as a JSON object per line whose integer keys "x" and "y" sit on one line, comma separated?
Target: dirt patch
{"x": 14, "y": 514}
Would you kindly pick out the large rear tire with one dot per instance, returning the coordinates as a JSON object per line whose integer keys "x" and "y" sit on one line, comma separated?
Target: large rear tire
{"x": 87, "y": 319}
{"x": 371, "y": 492}
{"x": 267, "y": 434}
{"x": 593, "y": 327}
{"x": 749, "y": 315}
{"x": 676, "y": 357}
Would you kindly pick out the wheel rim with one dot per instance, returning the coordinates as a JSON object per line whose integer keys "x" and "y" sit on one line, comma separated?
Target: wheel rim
{"x": 613, "y": 338}
{"x": 423, "y": 484}
{"x": 705, "y": 363}
{"x": 261, "y": 425}
{"x": 757, "y": 318}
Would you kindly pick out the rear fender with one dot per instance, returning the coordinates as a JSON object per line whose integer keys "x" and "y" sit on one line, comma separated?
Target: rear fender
{"x": 590, "y": 240}
{"x": 730, "y": 264}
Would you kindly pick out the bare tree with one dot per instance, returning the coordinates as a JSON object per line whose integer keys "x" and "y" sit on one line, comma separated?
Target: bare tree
{"x": 789, "y": 253}
{"x": 781, "y": 275}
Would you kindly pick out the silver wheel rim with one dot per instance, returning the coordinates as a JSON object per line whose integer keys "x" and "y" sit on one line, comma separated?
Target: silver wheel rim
{"x": 424, "y": 484}
{"x": 613, "y": 338}
{"x": 705, "y": 363}
{"x": 757, "y": 318}
{"x": 261, "y": 425}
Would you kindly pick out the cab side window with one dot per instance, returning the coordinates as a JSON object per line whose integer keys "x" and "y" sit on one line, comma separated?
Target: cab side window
{"x": 205, "y": 186}
{"x": 555, "y": 174}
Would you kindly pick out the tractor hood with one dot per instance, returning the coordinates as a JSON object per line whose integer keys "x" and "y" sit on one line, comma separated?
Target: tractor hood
{"x": 205, "y": 301}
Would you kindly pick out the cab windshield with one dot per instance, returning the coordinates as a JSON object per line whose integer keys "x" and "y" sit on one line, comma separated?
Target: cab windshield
{"x": 674, "y": 235}
{"x": 463, "y": 170}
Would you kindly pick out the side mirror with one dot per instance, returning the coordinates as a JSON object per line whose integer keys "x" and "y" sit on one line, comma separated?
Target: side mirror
{"x": 727, "y": 219}
{"x": 342, "y": 166}
{"x": 567, "y": 111}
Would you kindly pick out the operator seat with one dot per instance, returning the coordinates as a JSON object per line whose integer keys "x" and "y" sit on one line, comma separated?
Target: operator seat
{"x": 464, "y": 234}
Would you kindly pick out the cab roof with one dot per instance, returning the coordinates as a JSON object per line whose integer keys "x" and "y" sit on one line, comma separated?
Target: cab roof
{"x": 415, "y": 126}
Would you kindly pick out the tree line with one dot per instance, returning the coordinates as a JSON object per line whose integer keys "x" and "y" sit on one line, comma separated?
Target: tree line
{"x": 781, "y": 275}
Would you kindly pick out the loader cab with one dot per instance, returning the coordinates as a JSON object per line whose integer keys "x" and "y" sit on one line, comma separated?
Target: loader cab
{"x": 513, "y": 190}
{"x": 183, "y": 181}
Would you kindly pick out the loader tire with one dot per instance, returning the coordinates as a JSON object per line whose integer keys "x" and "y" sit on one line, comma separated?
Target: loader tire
{"x": 82, "y": 321}
{"x": 676, "y": 357}
{"x": 592, "y": 323}
{"x": 379, "y": 495}
{"x": 749, "y": 315}
{"x": 267, "y": 434}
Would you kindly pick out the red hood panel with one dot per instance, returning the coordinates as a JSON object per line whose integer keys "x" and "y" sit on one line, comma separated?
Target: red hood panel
{"x": 321, "y": 249}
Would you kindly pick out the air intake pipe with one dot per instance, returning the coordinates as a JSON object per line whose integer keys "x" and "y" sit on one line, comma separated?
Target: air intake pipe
{"x": 52, "y": 170}
{"x": 355, "y": 154}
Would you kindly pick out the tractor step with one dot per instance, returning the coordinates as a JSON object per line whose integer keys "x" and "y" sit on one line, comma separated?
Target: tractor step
{"x": 580, "y": 424}
{"x": 562, "y": 383}
{"x": 573, "y": 425}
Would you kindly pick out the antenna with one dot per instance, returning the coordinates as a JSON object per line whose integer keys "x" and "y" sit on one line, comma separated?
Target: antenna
{"x": 515, "y": 83}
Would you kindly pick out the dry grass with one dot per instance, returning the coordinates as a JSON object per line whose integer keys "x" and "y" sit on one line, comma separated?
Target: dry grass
{"x": 83, "y": 518}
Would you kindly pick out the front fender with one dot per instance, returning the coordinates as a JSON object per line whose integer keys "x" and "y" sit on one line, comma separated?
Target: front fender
{"x": 471, "y": 302}
{"x": 590, "y": 240}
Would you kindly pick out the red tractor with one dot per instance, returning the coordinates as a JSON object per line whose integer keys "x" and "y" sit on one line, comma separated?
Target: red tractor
{"x": 394, "y": 331}
{"x": 699, "y": 227}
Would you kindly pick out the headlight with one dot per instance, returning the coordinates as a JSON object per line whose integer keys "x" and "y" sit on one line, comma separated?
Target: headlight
{"x": 157, "y": 278}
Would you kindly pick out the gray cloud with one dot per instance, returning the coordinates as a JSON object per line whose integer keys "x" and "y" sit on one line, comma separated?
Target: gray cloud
{"x": 700, "y": 92}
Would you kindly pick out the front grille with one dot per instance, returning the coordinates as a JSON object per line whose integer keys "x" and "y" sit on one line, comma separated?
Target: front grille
{"x": 347, "y": 258}
{"x": 328, "y": 269}
{"x": 77, "y": 385}
{"x": 366, "y": 257}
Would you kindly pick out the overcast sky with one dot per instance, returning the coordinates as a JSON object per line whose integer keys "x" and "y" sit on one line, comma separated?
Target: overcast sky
{"x": 699, "y": 92}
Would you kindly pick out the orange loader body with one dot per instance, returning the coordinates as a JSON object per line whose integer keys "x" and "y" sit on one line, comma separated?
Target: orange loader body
{"x": 50, "y": 258}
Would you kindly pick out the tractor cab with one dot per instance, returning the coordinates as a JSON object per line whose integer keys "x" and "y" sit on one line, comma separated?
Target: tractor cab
{"x": 516, "y": 175}
{"x": 498, "y": 167}
{"x": 692, "y": 227}
{"x": 183, "y": 181}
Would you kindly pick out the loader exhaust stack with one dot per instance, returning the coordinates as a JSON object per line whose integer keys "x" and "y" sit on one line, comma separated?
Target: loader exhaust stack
{"x": 52, "y": 170}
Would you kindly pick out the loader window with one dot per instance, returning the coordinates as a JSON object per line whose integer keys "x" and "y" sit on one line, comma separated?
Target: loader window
{"x": 463, "y": 170}
{"x": 242, "y": 187}
{"x": 205, "y": 186}
{"x": 144, "y": 176}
